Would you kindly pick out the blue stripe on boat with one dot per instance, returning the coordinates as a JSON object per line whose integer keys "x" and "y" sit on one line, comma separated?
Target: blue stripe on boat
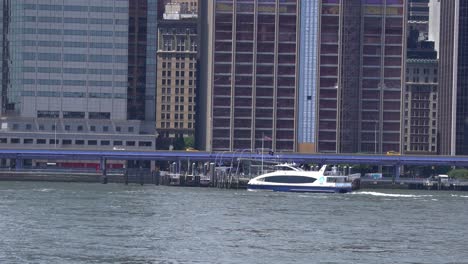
{"x": 279, "y": 188}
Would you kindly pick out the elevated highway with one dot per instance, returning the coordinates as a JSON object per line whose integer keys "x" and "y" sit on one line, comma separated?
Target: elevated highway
{"x": 368, "y": 159}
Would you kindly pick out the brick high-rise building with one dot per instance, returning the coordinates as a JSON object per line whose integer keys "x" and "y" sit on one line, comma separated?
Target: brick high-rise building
{"x": 249, "y": 61}
{"x": 361, "y": 64}
{"x": 421, "y": 91}
{"x": 177, "y": 70}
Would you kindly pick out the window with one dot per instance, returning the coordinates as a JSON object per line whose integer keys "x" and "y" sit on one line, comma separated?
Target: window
{"x": 99, "y": 115}
{"x": 66, "y": 142}
{"x": 130, "y": 143}
{"x": 92, "y": 128}
{"x": 144, "y": 144}
{"x": 28, "y": 126}
{"x": 15, "y": 141}
{"x": 68, "y": 114}
{"x": 289, "y": 179}
{"x": 79, "y": 142}
{"x": 41, "y": 141}
{"x": 92, "y": 142}
{"x": 105, "y": 128}
{"x": 80, "y": 128}
{"x": 67, "y": 127}
{"x": 130, "y": 129}
{"x": 118, "y": 129}
{"x": 118, "y": 143}
{"x": 105, "y": 142}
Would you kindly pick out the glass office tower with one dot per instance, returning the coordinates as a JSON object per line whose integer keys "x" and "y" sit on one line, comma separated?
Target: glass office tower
{"x": 65, "y": 75}
{"x": 453, "y": 78}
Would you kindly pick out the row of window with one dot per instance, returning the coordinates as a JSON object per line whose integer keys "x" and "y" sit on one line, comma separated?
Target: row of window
{"x": 425, "y": 70}
{"x": 67, "y": 114}
{"x": 76, "y": 8}
{"x": 89, "y": 142}
{"x": 178, "y": 65}
{"x": 420, "y": 147}
{"x": 176, "y": 116}
{"x": 74, "y": 82}
{"x": 167, "y": 107}
{"x": 178, "y": 99}
{"x": 73, "y": 94}
{"x": 75, "y": 70}
{"x": 177, "y": 82}
{"x": 166, "y": 56}
{"x": 177, "y": 73}
{"x": 177, "y": 90}
{"x": 76, "y": 20}
{"x": 176, "y": 125}
{"x": 75, "y": 57}
{"x": 93, "y": 128}
{"x": 75, "y": 44}
{"x": 75, "y": 32}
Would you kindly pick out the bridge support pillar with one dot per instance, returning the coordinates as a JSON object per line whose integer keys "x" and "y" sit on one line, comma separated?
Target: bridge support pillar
{"x": 397, "y": 172}
{"x": 179, "y": 166}
{"x": 18, "y": 163}
{"x": 103, "y": 168}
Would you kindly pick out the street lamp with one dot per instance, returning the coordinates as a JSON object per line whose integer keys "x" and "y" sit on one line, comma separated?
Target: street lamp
{"x": 375, "y": 137}
{"x": 55, "y": 133}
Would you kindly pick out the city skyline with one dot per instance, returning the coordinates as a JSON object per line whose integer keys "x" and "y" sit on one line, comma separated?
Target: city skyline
{"x": 317, "y": 76}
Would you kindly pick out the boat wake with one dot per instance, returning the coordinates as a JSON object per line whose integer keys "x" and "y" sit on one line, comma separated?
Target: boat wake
{"x": 44, "y": 190}
{"x": 462, "y": 196}
{"x": 391, "y": 194}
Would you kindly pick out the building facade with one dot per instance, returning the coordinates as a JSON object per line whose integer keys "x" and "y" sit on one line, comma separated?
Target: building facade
{"x": 418, "y": 15}
{"x": 65, "y": 76}
{"x": 177, "y": 71}
{"x": 361, "y": 76}
{"x": 250, "y": 72}
{"x": 453, "y": 80}
{"x": 420, "y": 106}
{"x": 142, "y": 36}
{"x": 421, "y": 91}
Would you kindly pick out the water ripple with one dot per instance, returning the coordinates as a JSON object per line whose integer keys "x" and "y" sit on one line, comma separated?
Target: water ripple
{"x": 93, "y": 223}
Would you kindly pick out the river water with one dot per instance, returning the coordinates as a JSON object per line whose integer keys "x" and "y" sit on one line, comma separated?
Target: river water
{"x": 114, "y": 223}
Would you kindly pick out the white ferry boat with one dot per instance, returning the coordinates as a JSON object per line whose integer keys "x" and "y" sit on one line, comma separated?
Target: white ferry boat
{"x": 287, "y": 178}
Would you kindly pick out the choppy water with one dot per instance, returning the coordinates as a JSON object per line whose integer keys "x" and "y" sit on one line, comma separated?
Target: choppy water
{"x": 94, "y": 223}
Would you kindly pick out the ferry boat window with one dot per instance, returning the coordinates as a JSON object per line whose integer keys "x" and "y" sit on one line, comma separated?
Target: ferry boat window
{"x": 289, "y": 179}
{"x": 284, "y": 168}
{"x": 336, "y": 179}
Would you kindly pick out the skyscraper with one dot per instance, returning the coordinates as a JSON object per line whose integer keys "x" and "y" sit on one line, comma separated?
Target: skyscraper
{"x": 177, "y": 71}
{"x": 421, "y": 91}
{"x": 249, "y": 60}
{"x": 65, "y": 76}
{"x": 360, "y": 85}
{"x": 453, "y": 78}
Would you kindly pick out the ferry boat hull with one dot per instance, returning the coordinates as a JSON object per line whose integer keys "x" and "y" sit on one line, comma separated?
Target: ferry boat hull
{"x": 314, "y": 189}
